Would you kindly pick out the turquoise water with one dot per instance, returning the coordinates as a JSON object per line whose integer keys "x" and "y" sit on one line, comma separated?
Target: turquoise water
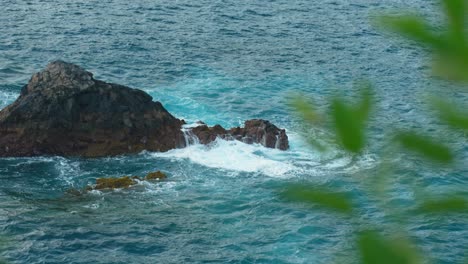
{"x": 220, "y": 62}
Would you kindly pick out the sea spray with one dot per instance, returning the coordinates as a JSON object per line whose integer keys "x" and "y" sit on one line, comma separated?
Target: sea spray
{"x": 189, "y": 136}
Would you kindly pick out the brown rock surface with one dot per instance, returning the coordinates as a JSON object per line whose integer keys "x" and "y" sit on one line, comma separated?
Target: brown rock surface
{"x": 64, "y": 111}
{"x": 157, "y": 175}
{"x": 114, "y": 183}
{"x": 254, "y": 131}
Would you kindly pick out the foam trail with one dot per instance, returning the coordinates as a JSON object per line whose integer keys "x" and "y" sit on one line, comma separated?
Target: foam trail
{"x": 6, "y": 98}
{"x": 190, "y": 137}
{"x": 236, "y": 156}
{"x": 300, "y": 160}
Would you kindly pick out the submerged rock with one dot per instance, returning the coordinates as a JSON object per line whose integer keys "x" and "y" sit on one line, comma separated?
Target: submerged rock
{"x": 158, "y": 175}
{"x": 120, "y": 182}
{"x": 254, "y": 131}
{"x": 64, "y": 111}
{"x": 114, "y": 183}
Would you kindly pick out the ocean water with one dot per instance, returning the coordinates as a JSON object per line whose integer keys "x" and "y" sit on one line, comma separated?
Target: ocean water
{"x": 222, "y": 62}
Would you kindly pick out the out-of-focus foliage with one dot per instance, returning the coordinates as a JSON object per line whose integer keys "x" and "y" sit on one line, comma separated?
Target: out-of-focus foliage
{"x": 450, "y": 114}
{"x": 374, "y": 248}
{"x": 347, "y": 122}
{"x": 425, "y": 146}
{"x": 350, "y": 120}
{"x": 448, "y": 46}
{"x": 452, "y": 204}
{"x": 320, "y": 196}
{"x": 305, "y": 109}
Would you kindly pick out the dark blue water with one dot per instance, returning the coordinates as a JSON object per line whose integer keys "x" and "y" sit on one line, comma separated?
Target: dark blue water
{"x": 221, "y": 62}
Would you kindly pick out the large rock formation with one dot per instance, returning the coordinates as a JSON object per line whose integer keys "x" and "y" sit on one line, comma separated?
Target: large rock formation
{"x": 64, "y": 111}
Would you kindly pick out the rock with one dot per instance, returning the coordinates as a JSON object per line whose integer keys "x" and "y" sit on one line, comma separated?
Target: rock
{"x": 263, "y": 132}
{"x": 158, "y": 175}
{"x": 64, "y": 111}
{"x": 114, "y": 183}
{"x": 207, "y": 134}
{"x": 121, "y": 182}
{"x": 254, "y": 131}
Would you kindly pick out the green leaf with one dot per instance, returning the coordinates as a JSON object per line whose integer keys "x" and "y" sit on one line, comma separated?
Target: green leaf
{"x": 335, "y": 201}
{"x": 425, "y": 146}
{"x": 447, "y": 205}
{"x": 412, "y": 27}
{"x": 451, "y": 63}
{"x": 305, "y": 109}
{"x": 307, "y": 112}
{"x": 349, "y": 126}
{"x": 365, "y": 106}
{"x": 350, "y": 120}
{"x": 449, "y": 47}
{"x": 450, "y": 114}
{"x": 375, "y": 249}
{"x": 455, "y": 10}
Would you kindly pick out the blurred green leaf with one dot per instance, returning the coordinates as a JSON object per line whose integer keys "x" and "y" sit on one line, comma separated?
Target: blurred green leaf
{"x": 365, "y": 106}
{"x": 455, "y": 10}
{"x": 375, "y": 249}
{"x": 448, "y": 46}
{"x": 412, "y": 27}
{"x": 451, "y": 65}
{"x": 349, "y": 126}
{"x": 350, "y": 120}
{"x": 307, "y": 112}
{"x": 450, "y": 114}
{"x": 446, "y": 205}
{"x": 305, "y": 109}
{"x": 425, "y": 146}
{"x": 323, "y": 197}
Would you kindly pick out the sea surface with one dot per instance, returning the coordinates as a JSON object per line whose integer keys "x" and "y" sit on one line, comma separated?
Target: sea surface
{"x": 224, "y": 62}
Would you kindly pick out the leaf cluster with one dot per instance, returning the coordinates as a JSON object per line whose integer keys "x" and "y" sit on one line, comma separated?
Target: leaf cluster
{"x": 448, "y": 46}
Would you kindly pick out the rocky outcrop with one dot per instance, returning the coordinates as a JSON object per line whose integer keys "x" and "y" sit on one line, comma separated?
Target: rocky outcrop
{"x": 157, "y": 175}
{"x": 64, "y": 111}
{"x": 125, "y": 181}
{"x": 113, "y": 183}
{"x": 118, "y": 183}
{"x": 254, "y": 131}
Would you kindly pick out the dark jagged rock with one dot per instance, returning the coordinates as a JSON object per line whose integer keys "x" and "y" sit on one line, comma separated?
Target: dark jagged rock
{"x": 64, "y": 111}
{"x": 206, "y": 134}
{"x": 254, "y": 131}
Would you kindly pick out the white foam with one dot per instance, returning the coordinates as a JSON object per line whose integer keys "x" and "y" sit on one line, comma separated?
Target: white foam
{"x": 236, "y": 156}
{"x": 299, "y": 161}
{"x": 67, "y": 170}
{"x": 7, "y": 98}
